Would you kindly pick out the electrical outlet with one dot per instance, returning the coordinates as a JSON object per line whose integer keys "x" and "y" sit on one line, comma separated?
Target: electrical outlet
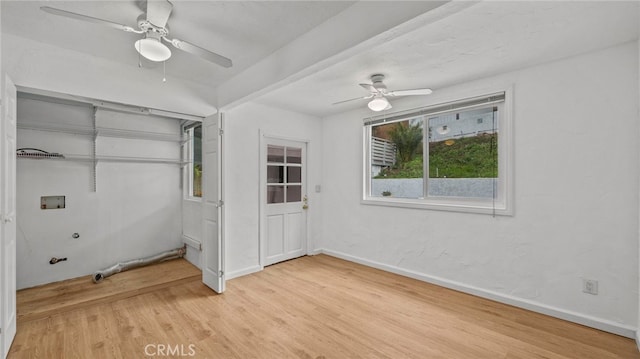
{"x": 590, "y": 286}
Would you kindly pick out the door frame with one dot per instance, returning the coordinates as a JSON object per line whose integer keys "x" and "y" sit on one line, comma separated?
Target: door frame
{"x": 262, "y": 216}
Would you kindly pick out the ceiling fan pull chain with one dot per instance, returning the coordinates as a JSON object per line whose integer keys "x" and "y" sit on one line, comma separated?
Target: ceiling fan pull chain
{"x": 164, "y": 71}
{"x": 139, "y": 54}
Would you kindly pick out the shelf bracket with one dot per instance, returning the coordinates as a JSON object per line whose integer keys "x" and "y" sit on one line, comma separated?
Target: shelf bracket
{"x": 93, "y": 151}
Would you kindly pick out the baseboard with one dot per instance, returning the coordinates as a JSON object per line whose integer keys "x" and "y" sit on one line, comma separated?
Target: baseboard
{"x": 638, "y": 339}
{"x": 593, "y": 322}
{"x": 241, "y": 272}
{"x": 314, "y": 252}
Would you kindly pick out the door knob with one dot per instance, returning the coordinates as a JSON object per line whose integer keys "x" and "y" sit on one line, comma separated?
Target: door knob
{"x": 305, "y": 202}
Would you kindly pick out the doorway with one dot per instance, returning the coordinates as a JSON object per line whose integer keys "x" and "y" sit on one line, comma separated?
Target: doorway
{"x": 283, "y": 200}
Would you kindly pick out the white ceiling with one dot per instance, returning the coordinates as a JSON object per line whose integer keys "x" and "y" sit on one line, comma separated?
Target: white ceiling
{"x": 244, "y": 31}
{"x": 482, "y": 40}
{"x": 450, "y": 44}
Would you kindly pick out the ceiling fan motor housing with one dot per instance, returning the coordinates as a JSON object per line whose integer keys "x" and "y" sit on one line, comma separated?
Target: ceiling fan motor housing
{"x": 151, "y": 29}
{"x": 377, "y": 83}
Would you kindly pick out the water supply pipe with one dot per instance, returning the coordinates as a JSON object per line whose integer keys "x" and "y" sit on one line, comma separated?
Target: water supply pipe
{"x": 100, "y": 275}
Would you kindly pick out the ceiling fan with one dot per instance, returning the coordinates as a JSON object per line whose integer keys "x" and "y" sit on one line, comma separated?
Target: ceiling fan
{"x": 379, "y": 93}
{"x": 153, "y": 25}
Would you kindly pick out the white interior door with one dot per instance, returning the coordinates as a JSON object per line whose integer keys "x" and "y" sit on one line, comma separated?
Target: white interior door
{"x": 284, "y": 186}
{"x": 8, "y": 207}
{"x": 212, "y": 211}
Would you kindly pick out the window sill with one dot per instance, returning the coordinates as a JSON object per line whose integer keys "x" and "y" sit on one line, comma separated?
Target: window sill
{"x": 193, "y": 199}
{"x": 450, "y": 206}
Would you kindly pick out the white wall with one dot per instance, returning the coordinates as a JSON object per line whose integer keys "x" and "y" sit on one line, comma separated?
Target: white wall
{"x": 135, "y": 212}
{"x": 576, "y": 198}
{"x": 242, "y": 154}
{"x": 192, "y": 228}
{"x": 42, "y": 66}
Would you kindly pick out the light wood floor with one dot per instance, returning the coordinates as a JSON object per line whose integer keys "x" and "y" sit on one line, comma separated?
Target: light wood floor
{"x": 44, "y": 301}
{"x": 311, "y": 307}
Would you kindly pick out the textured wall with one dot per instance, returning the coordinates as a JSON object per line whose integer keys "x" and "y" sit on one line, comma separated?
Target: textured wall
{"x": 242, "y": 177}
{"x": 576, "y": 196}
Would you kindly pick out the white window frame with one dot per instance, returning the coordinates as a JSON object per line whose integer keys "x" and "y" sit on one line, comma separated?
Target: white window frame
{"x": 501, "y": 205}
{"x": 188, "y": 158}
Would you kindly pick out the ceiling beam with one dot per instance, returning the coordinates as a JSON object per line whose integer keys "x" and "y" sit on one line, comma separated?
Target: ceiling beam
{"x": 356, "y": 29}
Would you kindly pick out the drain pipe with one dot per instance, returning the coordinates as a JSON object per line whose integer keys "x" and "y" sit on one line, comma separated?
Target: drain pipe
{"x": 100, "y": 275}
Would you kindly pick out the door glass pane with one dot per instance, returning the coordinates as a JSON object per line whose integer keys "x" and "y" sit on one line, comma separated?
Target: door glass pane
{"x": 294, "y": 174}
{"x": 275, "y": 174}
{"x": 294, "y": 193}
{"x": 275, "y": 154}
{"x": 275, "y": 194}
{"x": 294, "y": 155}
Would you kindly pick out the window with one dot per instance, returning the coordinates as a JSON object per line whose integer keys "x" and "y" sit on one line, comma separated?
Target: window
{"x": 284, "y": 174}
{"x": 193, "y": 155}
{"x": 452, "y": 156}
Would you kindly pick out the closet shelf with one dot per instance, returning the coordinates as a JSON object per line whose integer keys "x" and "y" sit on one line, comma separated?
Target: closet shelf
{"x": 43, "y": 126}
{"x": 101, "y": 132}
{"x": 85, "y": 158}
{"x": 138, "y": 135}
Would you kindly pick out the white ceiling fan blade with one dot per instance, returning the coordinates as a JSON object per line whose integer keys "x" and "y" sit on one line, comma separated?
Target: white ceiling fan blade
{"x": 354, "y": 99}
{"x": 158, "y": 12}
{"x": 410, "y": 92}
{"x": 198, "y": 51}
{"x": 370, "y": 88}
{"x": 86, "y": 18}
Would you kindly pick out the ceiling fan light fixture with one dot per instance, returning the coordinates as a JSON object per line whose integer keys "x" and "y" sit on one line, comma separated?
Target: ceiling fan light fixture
{"x": 152, "y": 49}
{"x": 379, "y": 104}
